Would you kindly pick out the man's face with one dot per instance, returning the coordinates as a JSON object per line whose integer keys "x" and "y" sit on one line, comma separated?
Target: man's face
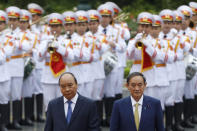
{"x": 81, "y": 27}
{"x": 194, "y": 18}
{"x": 105, "y": 21}
{"x": 24, "y": 25}
{"x": 136, "y": 87}
{"x": 2, "y": 25}
{"x": 144, "y": 28}
{"x": 93, "y": 26}
{"x": 68, "y": 86}
{"x": 178, "y": 25}
{"x": 35, "y": 17}
{"x": 56, "y": 29}
{"x": 155, "y": 31}
{"x": 184, "y": 25}
{"x": 166, "y": 26}
{"x": 187, "y": 20}
{"x": 14, "y": 22}
{"x": 69, "y": 27}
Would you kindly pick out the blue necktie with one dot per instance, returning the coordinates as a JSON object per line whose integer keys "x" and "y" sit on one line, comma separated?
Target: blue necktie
{"x": 69, "y": 113}
{"x": 105, "y": 31}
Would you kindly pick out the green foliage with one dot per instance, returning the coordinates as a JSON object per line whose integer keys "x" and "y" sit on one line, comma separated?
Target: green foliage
{"x": 128, "y": 67}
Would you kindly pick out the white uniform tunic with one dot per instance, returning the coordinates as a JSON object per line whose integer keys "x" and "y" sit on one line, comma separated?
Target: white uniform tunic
{"x": 49, "y": 82}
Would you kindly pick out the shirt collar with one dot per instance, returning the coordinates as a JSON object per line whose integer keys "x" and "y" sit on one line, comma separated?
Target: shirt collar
{"x": 74, "y": 99}
{"x": 140, "y": 102}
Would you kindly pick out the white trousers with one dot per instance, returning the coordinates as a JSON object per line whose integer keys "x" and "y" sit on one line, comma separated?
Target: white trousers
{"x": 179, "y": 91}
{"x": 37, "y": 82}
{"x": 5, "y": 92}
{"x": 16, "y": 88}
{"x": 110, "y": 84}
{"x": 50, "y": 91}
{"x": 28, "y": 88}
{"x": 98, "y": 87}
{"x": 119, "y": 80}
{"x": 189, "y": 88}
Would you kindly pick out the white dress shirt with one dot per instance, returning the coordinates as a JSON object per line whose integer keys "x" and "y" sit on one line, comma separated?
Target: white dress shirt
{"x": 140, "y": 102}
{"x": 74, "y": 101}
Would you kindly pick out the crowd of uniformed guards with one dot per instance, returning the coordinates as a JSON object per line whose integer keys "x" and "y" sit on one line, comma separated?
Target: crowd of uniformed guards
{"x": 34, "y": 53}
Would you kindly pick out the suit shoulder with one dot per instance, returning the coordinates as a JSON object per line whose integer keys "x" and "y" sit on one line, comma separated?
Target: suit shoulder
{"x": 123, "y": 100}
{"x": 86, "y": 100}
{"x": 151, "y": 99}
{"x": 55, "y": 101}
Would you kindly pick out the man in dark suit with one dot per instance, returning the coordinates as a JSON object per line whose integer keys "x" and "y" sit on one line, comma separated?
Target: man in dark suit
{"x": 71, "y": 112}
{"x": 137, "y": 112}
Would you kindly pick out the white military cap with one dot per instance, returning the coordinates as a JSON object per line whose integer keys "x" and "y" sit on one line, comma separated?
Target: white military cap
{"x": 69, "y": 17}
{"x": 145, "y": 18}
{"x": 167, "y": 15}
{"x": 115, "y": 7}
{"x": 106, "y": 9}
{"x": 94, "y": 15}
{"x": 178, "y": 16}
{"x": 25, "y": 15}
{"x": 157, "y": 21}
{"x": 35, "y": 8}
{"x": 55, "y": 19}
{"x": 185, "y": 10}
{"x": 3, "y": 16}
{"x": 193, "y": 6}
{"x": 82, "y": 16}
{"x": 13, "y": 12}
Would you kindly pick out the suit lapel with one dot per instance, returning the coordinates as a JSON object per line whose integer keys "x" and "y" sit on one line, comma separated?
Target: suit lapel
{"x": 130, "y": 111}
{"x": 144, "y": 111}
{"x": 62, "y": 111}
{"x": 77, "y": 108}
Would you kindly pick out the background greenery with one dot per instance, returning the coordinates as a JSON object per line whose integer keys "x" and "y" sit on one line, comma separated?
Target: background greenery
{"x": 132, "y": 6}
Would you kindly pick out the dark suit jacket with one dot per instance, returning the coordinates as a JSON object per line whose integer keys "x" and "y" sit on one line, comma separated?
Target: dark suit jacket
{"x": 84, "y": 116}
{"x": 123, "y": 118}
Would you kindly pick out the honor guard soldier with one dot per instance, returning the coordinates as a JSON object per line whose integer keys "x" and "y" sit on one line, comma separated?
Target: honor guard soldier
{"x": 27, "y": 88}
{"x": 82, "y": 51}
{"x": 16, "y": 66}
{"x": 5, "y": 51}
{"x": 37, "y": 27}
{"x": 158, "y": 55}
{"x": 55, "y": 55}
{"x": 193, "y": 6}
{"x": 70, "y": 24}
{"x": 167, "y": 37}
{"x": 134, "y": 51}
{"x": 98, "y": 48}
{"x": 189, "y": 90}
{"x": 124, "y": 34}
{"x": 37, "y": 11}
{"x": 117, "y": 45}
{"x": 182, "y": 47}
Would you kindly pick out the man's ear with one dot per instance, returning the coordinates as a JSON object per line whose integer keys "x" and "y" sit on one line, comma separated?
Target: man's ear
{"x": 145, "y": 84}
{"x": 127, "y": 86}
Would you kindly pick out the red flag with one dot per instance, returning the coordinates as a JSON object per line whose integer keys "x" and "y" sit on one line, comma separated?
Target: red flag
{"x": 146, "y": 63}
{"x": 57, "y": 64}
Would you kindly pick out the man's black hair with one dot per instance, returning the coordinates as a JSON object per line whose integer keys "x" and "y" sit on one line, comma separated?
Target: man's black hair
{"x": 70, "y": 74}
{"x": 135, "y": 74}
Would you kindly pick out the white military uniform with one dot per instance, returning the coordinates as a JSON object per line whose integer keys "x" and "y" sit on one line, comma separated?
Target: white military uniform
{"x": 110, "y": 84}
{"x": 49, "y": 81}
{"x": 5, "y": 51}
{"x": 136, "y": 54}
{"x": 189, "y": 85}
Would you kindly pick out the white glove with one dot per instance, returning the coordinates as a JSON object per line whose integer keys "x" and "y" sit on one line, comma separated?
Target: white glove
{"x": 139, "y": 36}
